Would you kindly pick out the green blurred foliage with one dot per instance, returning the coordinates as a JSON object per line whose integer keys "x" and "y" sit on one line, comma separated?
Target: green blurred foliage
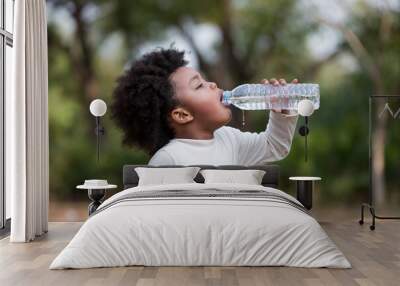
{"x": 259, "y": 39}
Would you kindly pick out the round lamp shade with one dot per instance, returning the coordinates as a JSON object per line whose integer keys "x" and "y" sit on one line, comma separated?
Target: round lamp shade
{"x": 305, "y": 107}
{"x": 98, "y": 107}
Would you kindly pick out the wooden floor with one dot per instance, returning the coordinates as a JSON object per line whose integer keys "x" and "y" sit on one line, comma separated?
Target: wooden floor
{"x": 375, "y": 257}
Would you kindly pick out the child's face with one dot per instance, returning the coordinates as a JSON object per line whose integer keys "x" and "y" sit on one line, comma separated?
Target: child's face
{"x": 200, "y": 98}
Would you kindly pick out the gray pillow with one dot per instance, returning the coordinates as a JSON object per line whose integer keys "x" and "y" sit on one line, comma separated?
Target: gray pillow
{"x": 162, "y": 176}
{"x": 248, "y": 177}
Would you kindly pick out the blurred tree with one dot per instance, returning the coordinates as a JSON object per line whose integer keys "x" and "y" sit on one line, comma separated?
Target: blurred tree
{"x": 372, "y": 35}
{"x": 81, "y": 55}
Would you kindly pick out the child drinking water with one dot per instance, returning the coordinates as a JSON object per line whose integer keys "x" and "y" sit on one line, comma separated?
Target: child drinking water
{"x": 173, "y": 113}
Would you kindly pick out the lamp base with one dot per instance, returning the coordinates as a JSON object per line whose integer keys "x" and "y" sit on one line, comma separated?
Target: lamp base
{"x": 95, "y": 195}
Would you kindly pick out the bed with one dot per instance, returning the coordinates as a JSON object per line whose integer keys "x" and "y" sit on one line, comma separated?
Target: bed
{"x": 199, "y": 224}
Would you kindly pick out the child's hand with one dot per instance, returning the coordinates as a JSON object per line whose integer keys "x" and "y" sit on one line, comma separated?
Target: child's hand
{"x": 281, "y": 81}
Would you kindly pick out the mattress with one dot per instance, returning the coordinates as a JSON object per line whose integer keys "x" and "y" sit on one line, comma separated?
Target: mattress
{"x": 198, "y": 224}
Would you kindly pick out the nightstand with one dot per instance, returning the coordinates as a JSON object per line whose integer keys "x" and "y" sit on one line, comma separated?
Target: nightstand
{"x": 304, "y": 189}
{"x": 96, "y": 192}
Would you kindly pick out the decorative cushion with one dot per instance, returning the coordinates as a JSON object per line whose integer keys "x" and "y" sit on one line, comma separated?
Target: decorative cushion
{"x": 160, "y": 176}
{"x": 249, "y": 177}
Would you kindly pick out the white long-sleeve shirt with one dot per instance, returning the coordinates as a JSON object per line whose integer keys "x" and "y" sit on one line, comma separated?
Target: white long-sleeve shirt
{"x": 230, "y": 146}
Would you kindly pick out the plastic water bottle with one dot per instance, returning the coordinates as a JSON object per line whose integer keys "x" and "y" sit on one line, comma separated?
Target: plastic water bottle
{"x": 268, "y": 96}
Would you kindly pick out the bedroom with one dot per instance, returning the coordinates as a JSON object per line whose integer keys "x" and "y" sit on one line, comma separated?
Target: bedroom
{"x": 73, "y": 195}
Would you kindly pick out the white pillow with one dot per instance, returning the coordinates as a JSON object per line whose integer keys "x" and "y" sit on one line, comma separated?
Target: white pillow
{"x": 162, "y": 176}
{"x": 249, "y": 177}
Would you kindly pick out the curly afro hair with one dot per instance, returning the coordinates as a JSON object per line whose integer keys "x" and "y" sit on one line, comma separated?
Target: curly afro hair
{"x": 144, "y": 97}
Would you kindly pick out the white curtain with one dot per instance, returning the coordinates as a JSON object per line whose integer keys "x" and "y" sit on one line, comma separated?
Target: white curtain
{"x": 27, "y": 139}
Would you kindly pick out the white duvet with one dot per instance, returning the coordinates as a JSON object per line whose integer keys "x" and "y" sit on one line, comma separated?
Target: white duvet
{"x": 200, "y": 231}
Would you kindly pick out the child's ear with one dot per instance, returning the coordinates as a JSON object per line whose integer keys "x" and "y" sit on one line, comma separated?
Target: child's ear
{"x": 181, "y": 116}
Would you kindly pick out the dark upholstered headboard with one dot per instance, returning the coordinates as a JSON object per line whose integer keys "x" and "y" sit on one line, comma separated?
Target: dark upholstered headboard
{"x": 271, "y": 178}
